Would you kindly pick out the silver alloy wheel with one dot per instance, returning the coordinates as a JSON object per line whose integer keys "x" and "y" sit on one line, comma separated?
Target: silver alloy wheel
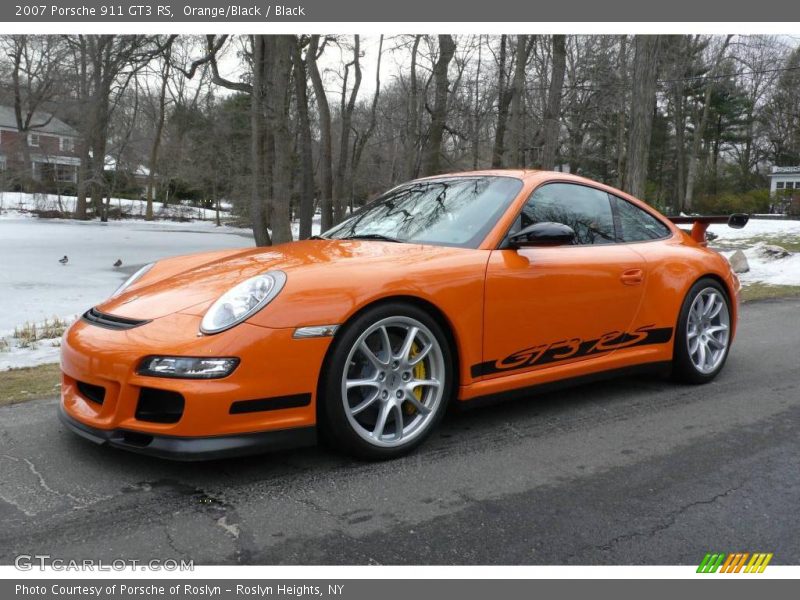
{"x": 708, "y": 330}
{"x": 394, "y": 381}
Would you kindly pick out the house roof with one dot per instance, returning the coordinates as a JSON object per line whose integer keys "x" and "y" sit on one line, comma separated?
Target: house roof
{"x": 54, "y": 126}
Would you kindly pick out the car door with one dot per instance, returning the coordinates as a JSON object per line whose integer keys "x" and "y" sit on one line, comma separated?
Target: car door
{"x": 546, "y": 306}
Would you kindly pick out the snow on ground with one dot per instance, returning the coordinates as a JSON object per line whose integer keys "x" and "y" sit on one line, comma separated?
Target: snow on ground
{"x": 771, "y": 271}
{"x": 756, "y": 234}
{"x": 16, "y": 204}
{"x": 758, "y": 227}
{"x": 45, "y": 352}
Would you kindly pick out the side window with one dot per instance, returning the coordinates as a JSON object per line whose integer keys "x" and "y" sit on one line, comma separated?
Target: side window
{"x": 635, "y": 225}
{"x": 585, "y": 209}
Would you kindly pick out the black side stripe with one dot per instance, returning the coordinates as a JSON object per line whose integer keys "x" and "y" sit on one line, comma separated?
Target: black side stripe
{"x": 265, "y": 404}
{"x": 575, "y": 348}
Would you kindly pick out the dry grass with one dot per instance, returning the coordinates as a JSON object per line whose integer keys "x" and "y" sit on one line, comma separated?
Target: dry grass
{"x": 29, "y": 334}
{"x": 763, "y": 291}
{"x": 21, "y": 385}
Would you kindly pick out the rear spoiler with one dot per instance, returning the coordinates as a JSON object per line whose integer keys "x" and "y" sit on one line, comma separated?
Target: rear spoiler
{"x": 700, "y": 224}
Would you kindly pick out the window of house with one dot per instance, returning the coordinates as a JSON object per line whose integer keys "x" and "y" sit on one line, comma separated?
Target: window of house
{"x": 33, "y": 140}
{"x": 779, "y": 185}
{"x": 790, "y": 185}
{"x": 585, "y": 209}
{"x": 65, "y": 173}
{"x": 66, "y": 144}
{"x": 2, "y": 163}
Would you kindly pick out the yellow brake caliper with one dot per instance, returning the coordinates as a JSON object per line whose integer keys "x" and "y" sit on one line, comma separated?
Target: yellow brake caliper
{"x": 419, "y": 373}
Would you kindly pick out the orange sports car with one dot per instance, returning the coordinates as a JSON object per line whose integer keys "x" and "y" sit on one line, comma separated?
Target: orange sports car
{"x": 444, "y": 290}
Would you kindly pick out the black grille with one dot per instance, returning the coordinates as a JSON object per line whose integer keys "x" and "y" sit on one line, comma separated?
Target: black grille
{"x": 159, "y": 406}
{"x": 95, "y": 317}
{"x": 95, "y": 393}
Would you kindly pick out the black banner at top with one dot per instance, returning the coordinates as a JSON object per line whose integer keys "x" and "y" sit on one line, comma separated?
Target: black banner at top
{"x": 299, "y": 11}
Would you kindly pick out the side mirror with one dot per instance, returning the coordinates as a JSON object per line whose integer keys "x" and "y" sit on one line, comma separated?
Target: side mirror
{"x": 542, "y": 234}
{"x": 738, "y": 220}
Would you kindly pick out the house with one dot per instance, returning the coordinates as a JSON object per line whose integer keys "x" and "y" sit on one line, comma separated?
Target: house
{"x": 784, "y": 186}
{"x": 784, "y": 178}
{"x": 51, "y": 145}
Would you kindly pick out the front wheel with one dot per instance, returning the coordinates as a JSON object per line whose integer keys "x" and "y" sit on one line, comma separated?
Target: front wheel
{"x": 703, "y": 335}
{"x": 387, "y": 382}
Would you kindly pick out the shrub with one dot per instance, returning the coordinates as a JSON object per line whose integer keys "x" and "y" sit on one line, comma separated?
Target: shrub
{"x": 755, "y": 201}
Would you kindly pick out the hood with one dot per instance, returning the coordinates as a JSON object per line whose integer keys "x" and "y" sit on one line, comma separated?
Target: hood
{"x": 195, "y": 281}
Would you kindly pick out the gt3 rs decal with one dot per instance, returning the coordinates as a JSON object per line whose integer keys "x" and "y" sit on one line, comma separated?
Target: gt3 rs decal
{"x": 574, "y": 348}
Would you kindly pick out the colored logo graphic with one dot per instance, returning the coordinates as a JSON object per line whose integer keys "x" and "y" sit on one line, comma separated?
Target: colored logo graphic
{"x": 734, "y": 563}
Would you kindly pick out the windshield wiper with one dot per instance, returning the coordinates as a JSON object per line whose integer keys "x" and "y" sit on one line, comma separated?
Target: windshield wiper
{"x": 318, "y": 237}
{"x": 372, "y": 236}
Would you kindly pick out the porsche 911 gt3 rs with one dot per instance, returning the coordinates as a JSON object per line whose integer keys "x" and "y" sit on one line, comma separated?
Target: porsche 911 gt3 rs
{"x": 444, "y": 290}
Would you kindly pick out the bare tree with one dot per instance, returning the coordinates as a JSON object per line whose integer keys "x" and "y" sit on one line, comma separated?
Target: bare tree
{"x": 161, "y": 110}
{"x": 36, "y": 80}
{"x": 552, "y": 122}
{"x": 326, "y": 144}
{"x": 697, "y": 136}
{"x": 522, "y": 52}
{"x": 643, "y": 104}
{"x": 504, "y": 96}
{"x": 431, "y": 164}
{"x": 343, "y": 171}
{"x": 306, "y": 211}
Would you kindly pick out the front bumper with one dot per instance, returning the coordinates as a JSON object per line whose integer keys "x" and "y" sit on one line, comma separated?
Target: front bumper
{"x": 196, "y": 448}
{"x": 268, "y": 402}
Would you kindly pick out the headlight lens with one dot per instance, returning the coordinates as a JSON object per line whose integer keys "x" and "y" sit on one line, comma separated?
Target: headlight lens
{"x": 187, "y": 367}
{"x": 242, "y": 301}
{"x": 132, "y": 279}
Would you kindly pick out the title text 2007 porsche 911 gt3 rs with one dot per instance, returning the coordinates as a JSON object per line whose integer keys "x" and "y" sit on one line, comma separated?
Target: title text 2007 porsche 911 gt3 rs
{"x": 445, "y": 289}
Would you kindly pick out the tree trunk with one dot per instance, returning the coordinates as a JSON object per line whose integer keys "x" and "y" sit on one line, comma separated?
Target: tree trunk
{"x": 373, "y": 114}
{"x": 259, "y": 224}
{"x": 151, "y": 176}
{"x": 306, "y": 159}
{"x": 412, "y": 116}
{"x": 326, "y": 152}
{"x": 277, "y": 106}
{"x": 518, "y": 102}
{"x": 348, "y": 105}
{"x": 476, "y": 111}
{"x": 431, "y": 164}
{"x": 680, "y": 122}
{"x": 553, "y": 110}
{"x": 642, "y": 105}
{"x": 504, "y": 93}
{"x": 83, "y": 142}
{"x": 623, "y": 69}
{"x": 697, "y": 136}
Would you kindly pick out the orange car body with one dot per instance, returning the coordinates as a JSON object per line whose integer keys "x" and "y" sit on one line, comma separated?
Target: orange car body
{"x": 517, "y": 318}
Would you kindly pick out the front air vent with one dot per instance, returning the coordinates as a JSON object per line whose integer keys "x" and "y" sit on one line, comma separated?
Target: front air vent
{"x": 159, "y": 406}
{"x": 95, "y": 393}
{"x": 95, "y": 317}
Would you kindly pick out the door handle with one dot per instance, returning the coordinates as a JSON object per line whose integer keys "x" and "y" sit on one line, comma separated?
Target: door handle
{"x": 632, "y": 277}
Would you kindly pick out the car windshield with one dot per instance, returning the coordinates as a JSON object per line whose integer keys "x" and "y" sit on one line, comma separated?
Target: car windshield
{"x": 456, "y": 211}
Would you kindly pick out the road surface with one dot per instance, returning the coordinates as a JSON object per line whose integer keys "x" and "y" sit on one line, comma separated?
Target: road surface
{"x": 632, "y": 471}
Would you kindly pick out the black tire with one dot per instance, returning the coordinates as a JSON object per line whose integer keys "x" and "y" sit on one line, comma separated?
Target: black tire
{"x": 339, "y": 427}
{"x": 684, "y": 368}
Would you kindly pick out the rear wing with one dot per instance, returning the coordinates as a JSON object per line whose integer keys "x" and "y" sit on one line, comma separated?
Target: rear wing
{"x": 700, "y": 224}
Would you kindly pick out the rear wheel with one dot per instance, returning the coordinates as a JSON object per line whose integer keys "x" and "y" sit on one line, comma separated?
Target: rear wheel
{"x": 703, "y": 336}
{"x": 387, "y": 382}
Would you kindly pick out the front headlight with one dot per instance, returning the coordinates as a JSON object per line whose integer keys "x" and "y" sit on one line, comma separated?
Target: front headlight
{"x": 242, "y": 301}
{"x": 133, "y": 279}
